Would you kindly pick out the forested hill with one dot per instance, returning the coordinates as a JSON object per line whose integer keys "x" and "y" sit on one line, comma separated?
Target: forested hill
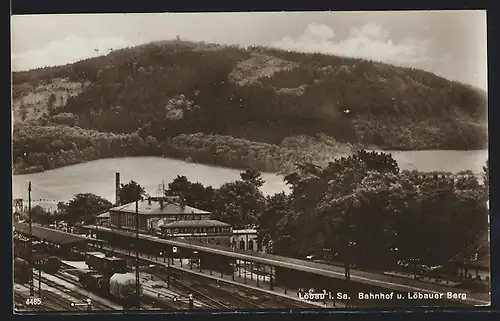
{"x": 240, "y": 107}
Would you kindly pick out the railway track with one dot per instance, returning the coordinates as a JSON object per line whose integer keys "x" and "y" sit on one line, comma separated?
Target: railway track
{"x": 21, "y": 305}
{"x": 248, "y": 299}
{"x": 78, "y": 297}
{"x": 96, "y": 304}
{"x": 276, "y": 302}
{"x": 49, "y": 302}
{"x": 230, "y": 299}
{"x": 146, "y": 302}
{"x": 200, "y": 295}
{"x": 63, "y": 303}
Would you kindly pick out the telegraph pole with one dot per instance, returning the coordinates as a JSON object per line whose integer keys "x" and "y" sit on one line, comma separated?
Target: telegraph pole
{"x": 40, "y": 280}
{"x": 30, "y": 244}
{"x": 168, "y": 269}
{"x": 97, "y": 230}
{"x": 137, "y": 285}
{"x": 347, "y": 258}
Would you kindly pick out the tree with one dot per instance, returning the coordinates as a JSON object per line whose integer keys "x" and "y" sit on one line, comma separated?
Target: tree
{"x": 192, "y": 194}
{"x": 364, "y": 201}
{"x": 486, "y": 176}
{"x": 252, "y": 176}
{"x": 68, "y": 119}
{"x": 84, "y": 206}
{"x": 131, "y": 192}
{"x": 239, "y": 204}
{"x": 40, "y": 215}
{"x": 62, "y": 208}
{"x": 23, "y": 111}
{"x": 277, "y": 209}
{"x": 50, "y": 103}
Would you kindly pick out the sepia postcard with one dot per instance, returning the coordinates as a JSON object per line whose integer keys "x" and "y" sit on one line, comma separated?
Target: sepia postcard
{"x": 254, "y": 161}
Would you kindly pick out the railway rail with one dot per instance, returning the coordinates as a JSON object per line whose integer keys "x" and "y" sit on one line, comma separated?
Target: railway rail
{"x": 20, "y": 300}
{"x": 96, "y": 303}
{"x": 207, "y": 299}
{"x": 360, "y": 279}
{"x": 230, "y": 300}
{"x": 79, "y": 298}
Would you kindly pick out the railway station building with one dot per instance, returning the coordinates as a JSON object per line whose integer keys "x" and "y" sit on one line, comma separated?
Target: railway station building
{"x": 169, "y": 217}
{"x": 153, "y": 211}
{"x": 203, "y": 231}
{"x": 246, "y": 239}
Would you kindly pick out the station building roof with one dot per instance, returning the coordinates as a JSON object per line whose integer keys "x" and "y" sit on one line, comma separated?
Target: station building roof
{"x": 48, "y": 234}
{"x": 249, "y": 231}
{"x": 157, "y": 208}
{"x": 193, "y": 223}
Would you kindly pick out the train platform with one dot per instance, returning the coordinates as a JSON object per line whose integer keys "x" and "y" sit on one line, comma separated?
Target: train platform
{"x": 290, "y": 294}
{"x": 422, "y": 279}
{"x": 51, "y": 235}
{"x": 392, "y": 283}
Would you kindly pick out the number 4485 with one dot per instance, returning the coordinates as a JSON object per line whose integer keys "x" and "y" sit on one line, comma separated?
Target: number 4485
{"x": 33, "y": 301}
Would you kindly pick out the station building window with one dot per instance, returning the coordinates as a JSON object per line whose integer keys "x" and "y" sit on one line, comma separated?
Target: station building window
{"x": 250, "y": 245}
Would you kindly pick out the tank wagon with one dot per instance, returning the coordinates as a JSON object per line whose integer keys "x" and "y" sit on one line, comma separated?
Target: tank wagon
{"x": 119, "y": 287}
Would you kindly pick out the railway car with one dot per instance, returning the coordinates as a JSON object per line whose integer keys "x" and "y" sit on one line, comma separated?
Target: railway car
{"x": 21, "y": 271}
{"x": 48, "y": 264}
{"x": 106, "y": 264}
{"x": 120, "y": 287}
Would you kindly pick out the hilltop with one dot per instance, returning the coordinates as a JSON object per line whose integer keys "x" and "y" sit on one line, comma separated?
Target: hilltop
{"x": 239, "y": 107}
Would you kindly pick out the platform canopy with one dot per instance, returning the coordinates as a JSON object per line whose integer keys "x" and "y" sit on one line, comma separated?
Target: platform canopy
{"x": 49, "y": 235}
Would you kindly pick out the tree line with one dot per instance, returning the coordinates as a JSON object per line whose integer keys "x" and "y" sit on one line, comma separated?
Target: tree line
{"x": 39, "y": 148}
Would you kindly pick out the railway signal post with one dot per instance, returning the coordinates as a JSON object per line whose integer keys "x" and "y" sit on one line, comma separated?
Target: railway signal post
{"x": 88, "y": 303}
{"x": 168, "y": 271}
{"x": 39, "y": 279}
{"x": 189, "y": 299}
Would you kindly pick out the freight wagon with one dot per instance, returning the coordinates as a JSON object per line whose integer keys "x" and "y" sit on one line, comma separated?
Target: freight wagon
{"x": 120, "y": 287}
{"x": 48, "y": 264}
{"x": 106, "y": 264}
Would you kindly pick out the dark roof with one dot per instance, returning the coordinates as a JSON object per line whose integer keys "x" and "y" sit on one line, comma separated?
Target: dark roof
{"x": 155, "y": 208}
{"x": 103, "y": 256}
{"x": 48, "y": 234}
{"x": 194, "y": 223}
{"x": 476, "y": 254}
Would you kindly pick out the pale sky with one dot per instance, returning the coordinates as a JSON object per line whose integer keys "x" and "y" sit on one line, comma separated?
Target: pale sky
{"x": 449, "y": 43}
